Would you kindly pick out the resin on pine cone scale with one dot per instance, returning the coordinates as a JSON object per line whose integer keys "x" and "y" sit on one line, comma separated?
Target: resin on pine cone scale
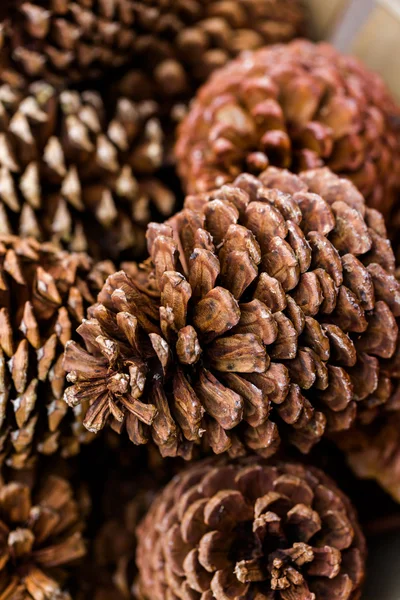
{"x": 251, "y": 530}
{"x": 269, "y": 313}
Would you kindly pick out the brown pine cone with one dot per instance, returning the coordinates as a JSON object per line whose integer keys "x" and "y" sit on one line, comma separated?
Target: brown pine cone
{"x": 298, "y": 106}
{"x": 251, "y": 529}
{"x": 69, "y": 171}
{"x": 182, "y": 42}
{"x": 44, "y": 293}
{"x": 373, "y": 452}
{"x": 269, "y": 314}
{"x": 41, "y": 536}
{"x": 67, "y": 41}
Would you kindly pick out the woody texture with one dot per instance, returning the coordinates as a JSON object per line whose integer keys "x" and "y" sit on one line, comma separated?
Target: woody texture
{"x": 41, "y": 539}
{"x": 298, "y": 106}
{"x": 269, "y": 314}
{"x": 67, "y": 41}
{"x": 74, "y": 40}
{"x": 251, "y": 530}
{"x": 183, "y": 42}
{"x": 44, "y": 293}
{"x": 74, "y": 174}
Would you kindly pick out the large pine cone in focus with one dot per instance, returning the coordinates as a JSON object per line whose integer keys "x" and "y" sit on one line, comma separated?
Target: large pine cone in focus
{"x": 43, "y": 297}
{"x": 67, "y": 41}
{"x": 72, "y": 173}
{"x": 41, "y": 534}
{"x": 268, "y": 313}
{"x": 251, "y": 530}
{"x": 298, "y": 106}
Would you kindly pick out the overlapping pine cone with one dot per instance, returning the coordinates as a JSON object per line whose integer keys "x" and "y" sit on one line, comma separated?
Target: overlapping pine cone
{"x": 74, "y": 40}
{"x": 41, "y": 537}
{"x": 269, "y": 313}
{"x": 251, "y": 529}
{"x": 72, "y": 173}
{"x": 44, "y": 293}
{"x": 66, "y": 41}
{"x": 297, "y": 106}
{"x": 373, "y": 452}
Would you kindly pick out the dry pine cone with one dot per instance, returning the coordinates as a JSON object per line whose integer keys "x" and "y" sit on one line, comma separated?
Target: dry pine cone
{"x": 269, "y": 314}
{"x": 41, "y": 533}
{"x": 69, "y": 172}
{"x": 182, "y": 42}
{"x": 44, "y": 293}
{"x": 373, "y": 452}
{"x": 298, "y": 106}
{"x": 251, "y": 530}
{"x": 65, "y": 41}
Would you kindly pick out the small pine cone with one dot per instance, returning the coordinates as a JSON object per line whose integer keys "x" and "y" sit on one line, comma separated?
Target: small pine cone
{"x": 68, "y": 41}
{"x": 373, "y": 452}
{"x": 281, "y": 532}
{"x": 270, "y": 313}
{"x": 299, "y": 106}
{"x": 73, "y": 174}
{"x": 42, "y": 534}
{"x": 44, "y": 293}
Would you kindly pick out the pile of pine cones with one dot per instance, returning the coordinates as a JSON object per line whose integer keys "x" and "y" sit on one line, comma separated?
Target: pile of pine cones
{"x": 197, "y": 288}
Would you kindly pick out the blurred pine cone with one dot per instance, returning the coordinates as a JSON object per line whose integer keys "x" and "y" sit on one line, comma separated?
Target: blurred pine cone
{"x": 42, "y": 535}
{"x": 373, "y": 452}
{"x": 298, "y": 106}
{"x": 181, "y": 41}
{"x": 269, "y": 313}
{"x": 66, "y": 41}
{"x": 44, "y": 293}
{"x": 251, "y": 530}
{"x": 69, "y": 171}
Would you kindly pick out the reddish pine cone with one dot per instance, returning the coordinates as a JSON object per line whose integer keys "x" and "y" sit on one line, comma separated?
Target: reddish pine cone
{"x": 72, "y": 173}
{"x": 298, "y": 106}
{"x": 41, "y": 534}
{"x": 269, "y": 313}
{"x": 44, "y": 293}
{"x": 250, "y": 529}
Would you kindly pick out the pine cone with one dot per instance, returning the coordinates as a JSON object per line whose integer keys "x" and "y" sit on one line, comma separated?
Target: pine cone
{"x": 69, "y": 41}
{"x": 373, "y": 452}
{"x": 69, "y": 171}
{"x": 41, "y": 532}
{"x": 270, "y": 314}
{"x": 251, "y": 530}
{"x": 298, "y": 106}
{"x": 43, "y": 296}
{"x": 182, "y": 42}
